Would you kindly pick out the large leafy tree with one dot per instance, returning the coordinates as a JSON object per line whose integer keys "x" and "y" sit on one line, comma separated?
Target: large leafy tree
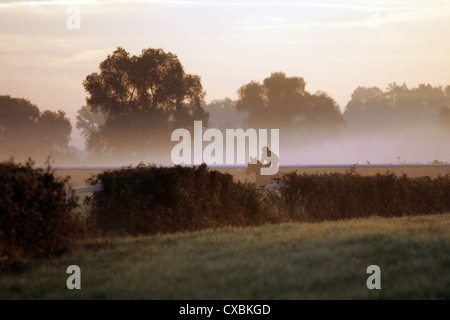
{"x": 142, "y": 99}
{"x": 26, "y": 131}
{"x": 283, "y": 101}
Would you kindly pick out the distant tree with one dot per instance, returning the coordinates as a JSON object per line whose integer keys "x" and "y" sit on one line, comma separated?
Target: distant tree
{"x": 283, "y": 101}
{"x": 321, "y": 109}
{"x": 142, "y": 98}
{"x": 90, "y": 124}
{"x": 447, "y": 91}
{"x": 395, "y": 107}
{"x": 54, "y": 130}
{"x": 367, "y": 104}
{"x": 26, "y": 131}
{"x": 18, "y": 118}
{"x": 444, "y": 116}
{"x": 223, "y": 114}
{"x": 428, "y": 97}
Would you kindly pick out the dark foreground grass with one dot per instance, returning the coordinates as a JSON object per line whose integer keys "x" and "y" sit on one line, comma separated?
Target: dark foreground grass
{"x": 288, "y": 261}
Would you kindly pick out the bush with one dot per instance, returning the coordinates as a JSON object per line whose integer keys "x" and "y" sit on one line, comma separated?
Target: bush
{"x": 318, "y": 197}
{"x": 150, "y": 199}
{"x": 36, "y": 208}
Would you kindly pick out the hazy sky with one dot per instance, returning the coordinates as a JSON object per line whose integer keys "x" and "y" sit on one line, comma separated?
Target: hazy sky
{"x": 334, "y": 45}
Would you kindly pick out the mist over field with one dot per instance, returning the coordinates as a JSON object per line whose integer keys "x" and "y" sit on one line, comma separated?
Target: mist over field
{"x": 397, "y": 136}
{"x": 100, "y": 83}
{"x": 397, "y": 125}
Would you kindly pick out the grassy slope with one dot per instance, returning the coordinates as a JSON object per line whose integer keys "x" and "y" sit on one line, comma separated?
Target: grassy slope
{"x": 289, "y": 261}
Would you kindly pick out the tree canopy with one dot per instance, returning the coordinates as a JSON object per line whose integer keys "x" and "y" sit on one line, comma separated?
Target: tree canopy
{"x": 25, "y": 131}
{"x": 397, "y": 106}
{"x": 142, "y": 99}
{"x": 283, "y": 101}
{"x": 223, "y": 114}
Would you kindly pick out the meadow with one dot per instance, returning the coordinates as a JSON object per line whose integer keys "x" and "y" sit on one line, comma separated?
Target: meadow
{"x": 326, "y": 260}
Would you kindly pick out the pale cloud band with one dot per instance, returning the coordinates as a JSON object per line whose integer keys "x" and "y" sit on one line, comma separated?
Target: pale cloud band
{"x": 362, "y": 5}
{"x": 393, "y": 12}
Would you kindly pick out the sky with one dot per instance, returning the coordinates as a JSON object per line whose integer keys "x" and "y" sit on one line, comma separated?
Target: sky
{"x": 335, "y": 46}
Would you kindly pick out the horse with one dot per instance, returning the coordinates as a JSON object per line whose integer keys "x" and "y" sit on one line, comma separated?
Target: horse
{"x": 256, "y": 168}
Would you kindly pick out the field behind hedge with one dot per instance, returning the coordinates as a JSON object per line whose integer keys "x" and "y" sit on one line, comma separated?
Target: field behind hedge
{"x": 80, "y": 174}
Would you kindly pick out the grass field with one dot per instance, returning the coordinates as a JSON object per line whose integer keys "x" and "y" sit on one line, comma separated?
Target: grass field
{"x": 288, "y": 261}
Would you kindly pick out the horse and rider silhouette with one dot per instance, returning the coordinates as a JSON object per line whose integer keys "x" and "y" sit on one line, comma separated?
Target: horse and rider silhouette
{"x": 267, "y": 156}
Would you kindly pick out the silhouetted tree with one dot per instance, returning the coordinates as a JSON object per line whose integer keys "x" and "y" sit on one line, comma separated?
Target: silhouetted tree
{"x": 25, "y": 131}
{"x": 397, "y": 106}
{"x": 367, "y": 104}
{"x": 223, "y": 114}
{"x": 282, "y": 101}
{"x": 90, "y": 124}
{"x": 142, "y": 98}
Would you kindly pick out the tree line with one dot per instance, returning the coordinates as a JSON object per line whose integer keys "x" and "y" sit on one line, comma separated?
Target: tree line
{"x": 134, "y": 102}
{"x": 27, "y": 131}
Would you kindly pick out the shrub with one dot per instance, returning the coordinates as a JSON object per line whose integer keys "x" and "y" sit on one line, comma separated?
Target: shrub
{"x": 318, "y": 197}
{"x": 36, "y": 208}
{"x": 150, "y": 199}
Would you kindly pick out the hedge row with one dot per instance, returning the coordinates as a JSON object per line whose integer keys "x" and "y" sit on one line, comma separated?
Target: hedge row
{"x": 36, "y": 212}
{"x": 332, "y": 196}
{"x": 150, "y": 199}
